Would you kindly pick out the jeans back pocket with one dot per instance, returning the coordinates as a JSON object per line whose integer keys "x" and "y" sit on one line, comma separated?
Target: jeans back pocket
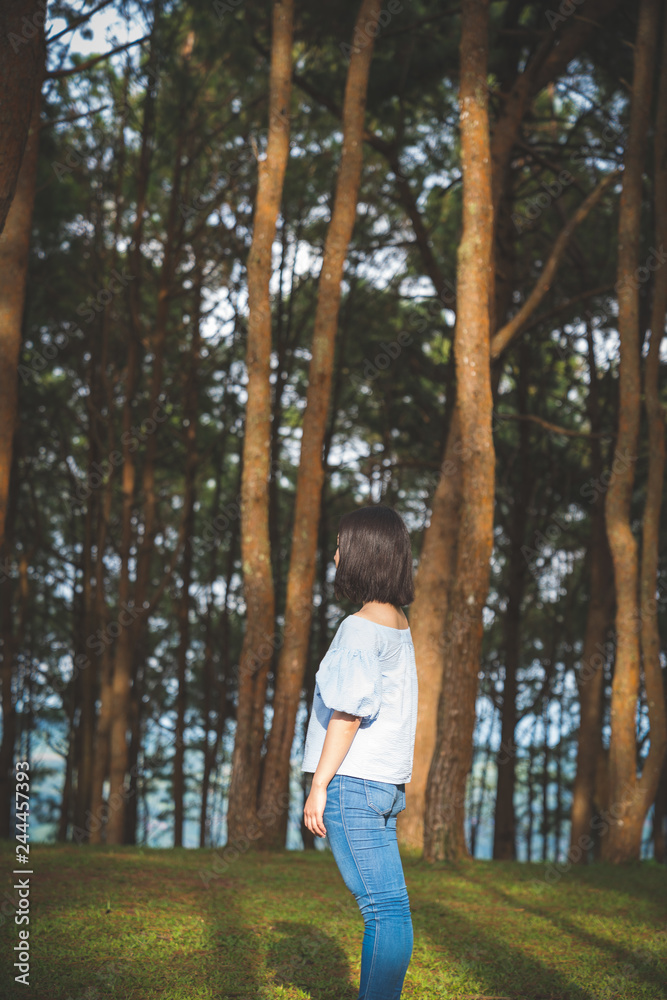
{"x": 380, "y": 796}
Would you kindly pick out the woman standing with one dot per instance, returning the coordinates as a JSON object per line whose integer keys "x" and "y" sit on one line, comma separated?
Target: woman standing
{"x": 361, "y": 736}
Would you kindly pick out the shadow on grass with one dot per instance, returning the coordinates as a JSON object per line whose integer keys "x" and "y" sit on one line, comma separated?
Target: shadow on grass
{"x": 234, "y": 970}
{"x": 472, "y": 949}
{"x": 306, "y": 957}
{"x": 618, "y": 952}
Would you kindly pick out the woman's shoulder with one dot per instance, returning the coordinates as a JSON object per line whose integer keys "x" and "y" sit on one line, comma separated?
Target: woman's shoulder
{"x": 357, "y": 633}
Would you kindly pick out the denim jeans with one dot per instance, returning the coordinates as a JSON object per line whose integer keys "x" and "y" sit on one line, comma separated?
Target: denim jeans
{"x": 360, "y": 819}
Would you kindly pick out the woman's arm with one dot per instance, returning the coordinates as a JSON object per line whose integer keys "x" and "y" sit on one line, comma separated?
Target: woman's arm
{"x": 341, "y": 731}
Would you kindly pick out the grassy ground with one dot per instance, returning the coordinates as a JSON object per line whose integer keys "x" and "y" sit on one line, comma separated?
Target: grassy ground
{"x": 133, "y": 924}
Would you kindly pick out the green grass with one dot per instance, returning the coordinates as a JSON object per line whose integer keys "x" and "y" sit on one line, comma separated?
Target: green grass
{"x": 135, "y": 924}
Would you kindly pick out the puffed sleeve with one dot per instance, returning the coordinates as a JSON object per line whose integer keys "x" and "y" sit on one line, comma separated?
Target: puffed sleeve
{"x": 350, "y": 680}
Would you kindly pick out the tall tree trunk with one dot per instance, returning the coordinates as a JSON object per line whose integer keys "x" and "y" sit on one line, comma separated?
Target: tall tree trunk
{"x": 215, "y": 687}
{"x": 545, "y": 775}
{"x": 590, "y": 684}
{"x": 530, "y": 826}
{"x": 126, "y": 665}
{"x": 191, "y": 462}
{"x": 133, "y": 752}
{"x": 97, "y": 519}
{"x": 208, "y": 676}
{"x": 298, "y": 612}
{"x": 259, "y": 640}
{"x": 659, "y": 815}
{"x": 108, "y": 697}
{"x": 504, "y": 833}
{"x": 630, "y": 798}
{"x": 72, "y": 751}
{"x": 559, "y": 751}
{"x": 14, "y": 250}
{"x": 84, "y": 680}
{"x": 21, "y": 71}
{"x": 477, "y": 812}
{"x": 655, "y": 417}
{"x": 428, "y": 615}
{"x": 599, "y": 619}
{"x": 444, "y": 823}
{"x": 437, "y": 562}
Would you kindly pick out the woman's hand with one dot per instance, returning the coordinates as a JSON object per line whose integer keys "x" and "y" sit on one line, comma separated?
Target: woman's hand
{"x": 313, "y": 810}
{"x": 340, "y": 733}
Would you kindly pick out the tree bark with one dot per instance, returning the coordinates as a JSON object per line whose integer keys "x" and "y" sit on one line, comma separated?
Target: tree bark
{"x": 655, "y": 419}
{"x": 98, "y": 508}
{"x": 444, "y": 835}
{"x": 126, "y": 667}
{"x": 437, "y": 561}
{"x": 428, "y": 615}
{"x": 629, "y": 798}
{"x": 191, "y": 463}
{"x": 259, "y": 639}
{"x": 208, "y": 666}
{"x": 504, "y": 827}
{"x": 298, "y": 612}
{"x": 21, "y": 72}
{"x": 659, "y": 815}
{"x": 599, "y": 619}
{"x": 14, "y": 250}
{"x": 108, "y": 697}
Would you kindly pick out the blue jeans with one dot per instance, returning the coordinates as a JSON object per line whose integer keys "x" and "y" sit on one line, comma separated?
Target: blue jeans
{"x": 360, "y": 819}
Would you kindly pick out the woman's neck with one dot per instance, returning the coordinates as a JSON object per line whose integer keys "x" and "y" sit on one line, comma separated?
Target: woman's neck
{"x": 383, "y": 614}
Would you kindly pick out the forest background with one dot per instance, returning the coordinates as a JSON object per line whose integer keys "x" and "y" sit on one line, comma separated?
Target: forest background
{"x": 236, "y": 259}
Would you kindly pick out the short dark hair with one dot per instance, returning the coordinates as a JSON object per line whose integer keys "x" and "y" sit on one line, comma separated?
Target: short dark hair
{"x": 374, "y": 557}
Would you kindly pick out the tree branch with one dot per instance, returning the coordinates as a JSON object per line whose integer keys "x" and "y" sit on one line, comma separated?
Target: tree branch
{"x": 79, "y": 20}
{"x": 555, "y": 428}
{"x": 58, "y": 74}
{"x": 511, "y": 328}
{"x": 589, "y": 294}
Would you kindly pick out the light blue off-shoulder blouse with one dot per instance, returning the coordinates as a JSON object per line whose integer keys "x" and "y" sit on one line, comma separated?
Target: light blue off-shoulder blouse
{"x": 369, "y": 670}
